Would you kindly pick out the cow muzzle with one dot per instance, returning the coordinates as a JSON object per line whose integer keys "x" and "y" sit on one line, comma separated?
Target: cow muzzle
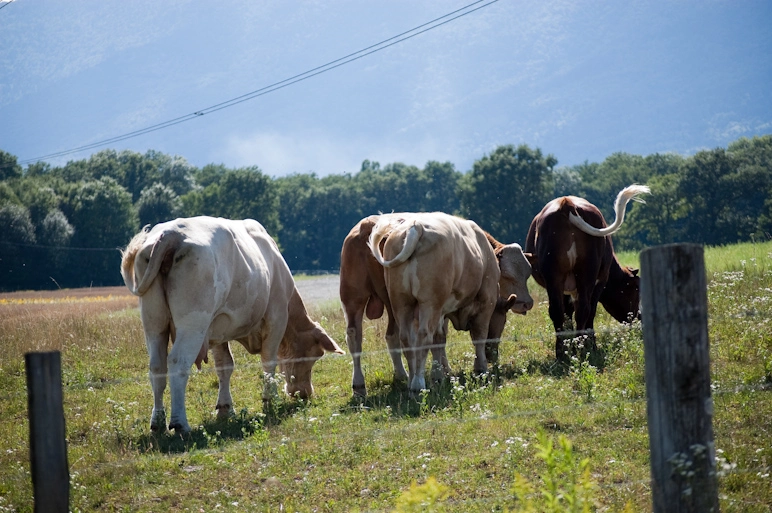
{"x": 522, "y": 307}
{"x": 300, "y": 390}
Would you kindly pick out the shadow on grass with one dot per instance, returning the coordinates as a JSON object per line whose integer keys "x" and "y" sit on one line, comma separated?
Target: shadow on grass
{"x": 396, "y": 397}
{"x": 214, "y": 431}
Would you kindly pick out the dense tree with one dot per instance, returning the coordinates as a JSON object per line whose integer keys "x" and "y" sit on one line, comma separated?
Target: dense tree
{"x": 244, "y": 193}
{"x": 334, "y": 211}
{"x": 55, "y": 230}
{"x": 753, "y": 190}
{"x": 103, "y": 215}
{"x": 136, "y": 173}
{"x": 660, "y": 221}
{"x": 9, "y": 167}
{"x": 506, "y": 189}
{"x": 69, "y": 219}
{"x": 104, "y": 220}
{"x": 316, "y": 215}
{"x": 158, "y": 203}
{"x": 177, "y": 174}
{"x": 702, "y": 184}
{"x": 105, "y": 163}
{"x": 55, "y": 233}
{"x": 7, "y": 194}
{"x": 441, "y": 189}
{"x": 38, "y": 169}
{"x": 39, "y": 197}
{"x": 17, "y": 235}
{"x": 568, "y": 182}
{"x": 16, "y": 226}
{"x": 602, "y": 182}
{"x": 294, "y": 241}
{"x": 75, "y": 171}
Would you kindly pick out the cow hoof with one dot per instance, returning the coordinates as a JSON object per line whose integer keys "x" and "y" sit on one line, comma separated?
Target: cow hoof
{"x": 179, "y": 428}
{"x": 224, "y": 411}
{"x": 400, "y": 377}
{"x": 157, "y": 428}
{"x": 158, "y": 421}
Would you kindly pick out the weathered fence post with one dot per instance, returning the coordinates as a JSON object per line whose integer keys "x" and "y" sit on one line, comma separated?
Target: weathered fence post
{"x": 679, "y": 405}
{"x": 48, "y": 449}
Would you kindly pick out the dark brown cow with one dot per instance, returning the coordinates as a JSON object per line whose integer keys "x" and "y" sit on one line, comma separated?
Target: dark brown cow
{"x": 575, "y": 262}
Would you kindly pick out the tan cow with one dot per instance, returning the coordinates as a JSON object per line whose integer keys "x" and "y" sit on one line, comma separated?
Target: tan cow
{"x": 363, "y": 293}
{"x": 438, "y": 267}
{"x": 204, "y": 281}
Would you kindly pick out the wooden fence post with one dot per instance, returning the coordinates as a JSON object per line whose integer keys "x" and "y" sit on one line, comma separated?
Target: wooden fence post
{"x": 674, "y": 308}
{"x": 48, "y": 448}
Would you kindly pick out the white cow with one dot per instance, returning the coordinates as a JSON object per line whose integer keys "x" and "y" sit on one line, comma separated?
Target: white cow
{"x": 204, "y": 281}
{"x": 439, "y": 267}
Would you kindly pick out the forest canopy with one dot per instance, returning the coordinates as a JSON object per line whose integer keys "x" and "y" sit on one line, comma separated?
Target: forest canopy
{"x": 64, "y": 226}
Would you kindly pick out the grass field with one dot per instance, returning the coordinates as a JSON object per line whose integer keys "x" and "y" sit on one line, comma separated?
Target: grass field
{"x": 472, "y": 436}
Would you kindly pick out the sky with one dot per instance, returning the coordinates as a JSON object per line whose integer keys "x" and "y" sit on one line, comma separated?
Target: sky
{"x": 577, "y": 79}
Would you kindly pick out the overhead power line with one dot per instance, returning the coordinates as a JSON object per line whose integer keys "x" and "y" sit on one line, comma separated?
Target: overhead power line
{"x": 382, "y": 45}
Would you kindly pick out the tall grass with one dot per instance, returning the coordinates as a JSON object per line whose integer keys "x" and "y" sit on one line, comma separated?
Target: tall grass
{"x": 472, "y": 435}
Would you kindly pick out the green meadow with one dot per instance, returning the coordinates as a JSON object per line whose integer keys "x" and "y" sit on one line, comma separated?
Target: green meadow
{"x": 531, "y": 430}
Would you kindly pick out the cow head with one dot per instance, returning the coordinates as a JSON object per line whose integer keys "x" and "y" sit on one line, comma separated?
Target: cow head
{"x": 621, "y": 297}
{"x": 300, "y": 349}
{"x": 515, "y": 270}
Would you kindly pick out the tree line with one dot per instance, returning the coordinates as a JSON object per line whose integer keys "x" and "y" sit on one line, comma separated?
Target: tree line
{"x": 63, "y": 226}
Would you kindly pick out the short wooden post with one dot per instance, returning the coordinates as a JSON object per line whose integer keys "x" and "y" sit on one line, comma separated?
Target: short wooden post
{"x": 48, "y": 448}
{"x": 679, "y": 405}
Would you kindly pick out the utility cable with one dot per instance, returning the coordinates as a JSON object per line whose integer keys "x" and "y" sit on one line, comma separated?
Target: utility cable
{"x": 382, "y": 45}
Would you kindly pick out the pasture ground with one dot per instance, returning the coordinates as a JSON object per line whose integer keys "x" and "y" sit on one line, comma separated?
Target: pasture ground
{"x": 334, "y": 453}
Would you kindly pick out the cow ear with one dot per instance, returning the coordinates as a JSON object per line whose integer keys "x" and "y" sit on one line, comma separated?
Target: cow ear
{"x": 532, "y": 258}
{"x": 329, "y": 344}
{"x": 634, "y": 271}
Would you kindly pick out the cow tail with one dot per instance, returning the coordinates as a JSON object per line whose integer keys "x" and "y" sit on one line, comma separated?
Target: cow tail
{"x": 163, "y": 251}
{"x": 625, "y": 195}
{"x": 382, "y": 230}
{"x": 128, "y": 256}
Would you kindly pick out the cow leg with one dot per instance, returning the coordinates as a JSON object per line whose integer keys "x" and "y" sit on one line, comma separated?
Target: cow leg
{"x": 157, "y": 346}
{"x": 593, "y": 309}
{"x": 429, "y": 321}
{"x": 181, "y": 358}
{"x": 478, "y": 331}
{"x": 440, "y": 365}
{"x": 404, "y": 319}
{"x": 395, "y": 349}
{"x": 413, "y": 347}
{"x": 568, "y": 312}
{"x": 223, "y": 365}
{"x": 156, "y": 323}
{"x": 557, "y": 315}
{"x": 276, "y": 325}
{"x": 354, "y": 317}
